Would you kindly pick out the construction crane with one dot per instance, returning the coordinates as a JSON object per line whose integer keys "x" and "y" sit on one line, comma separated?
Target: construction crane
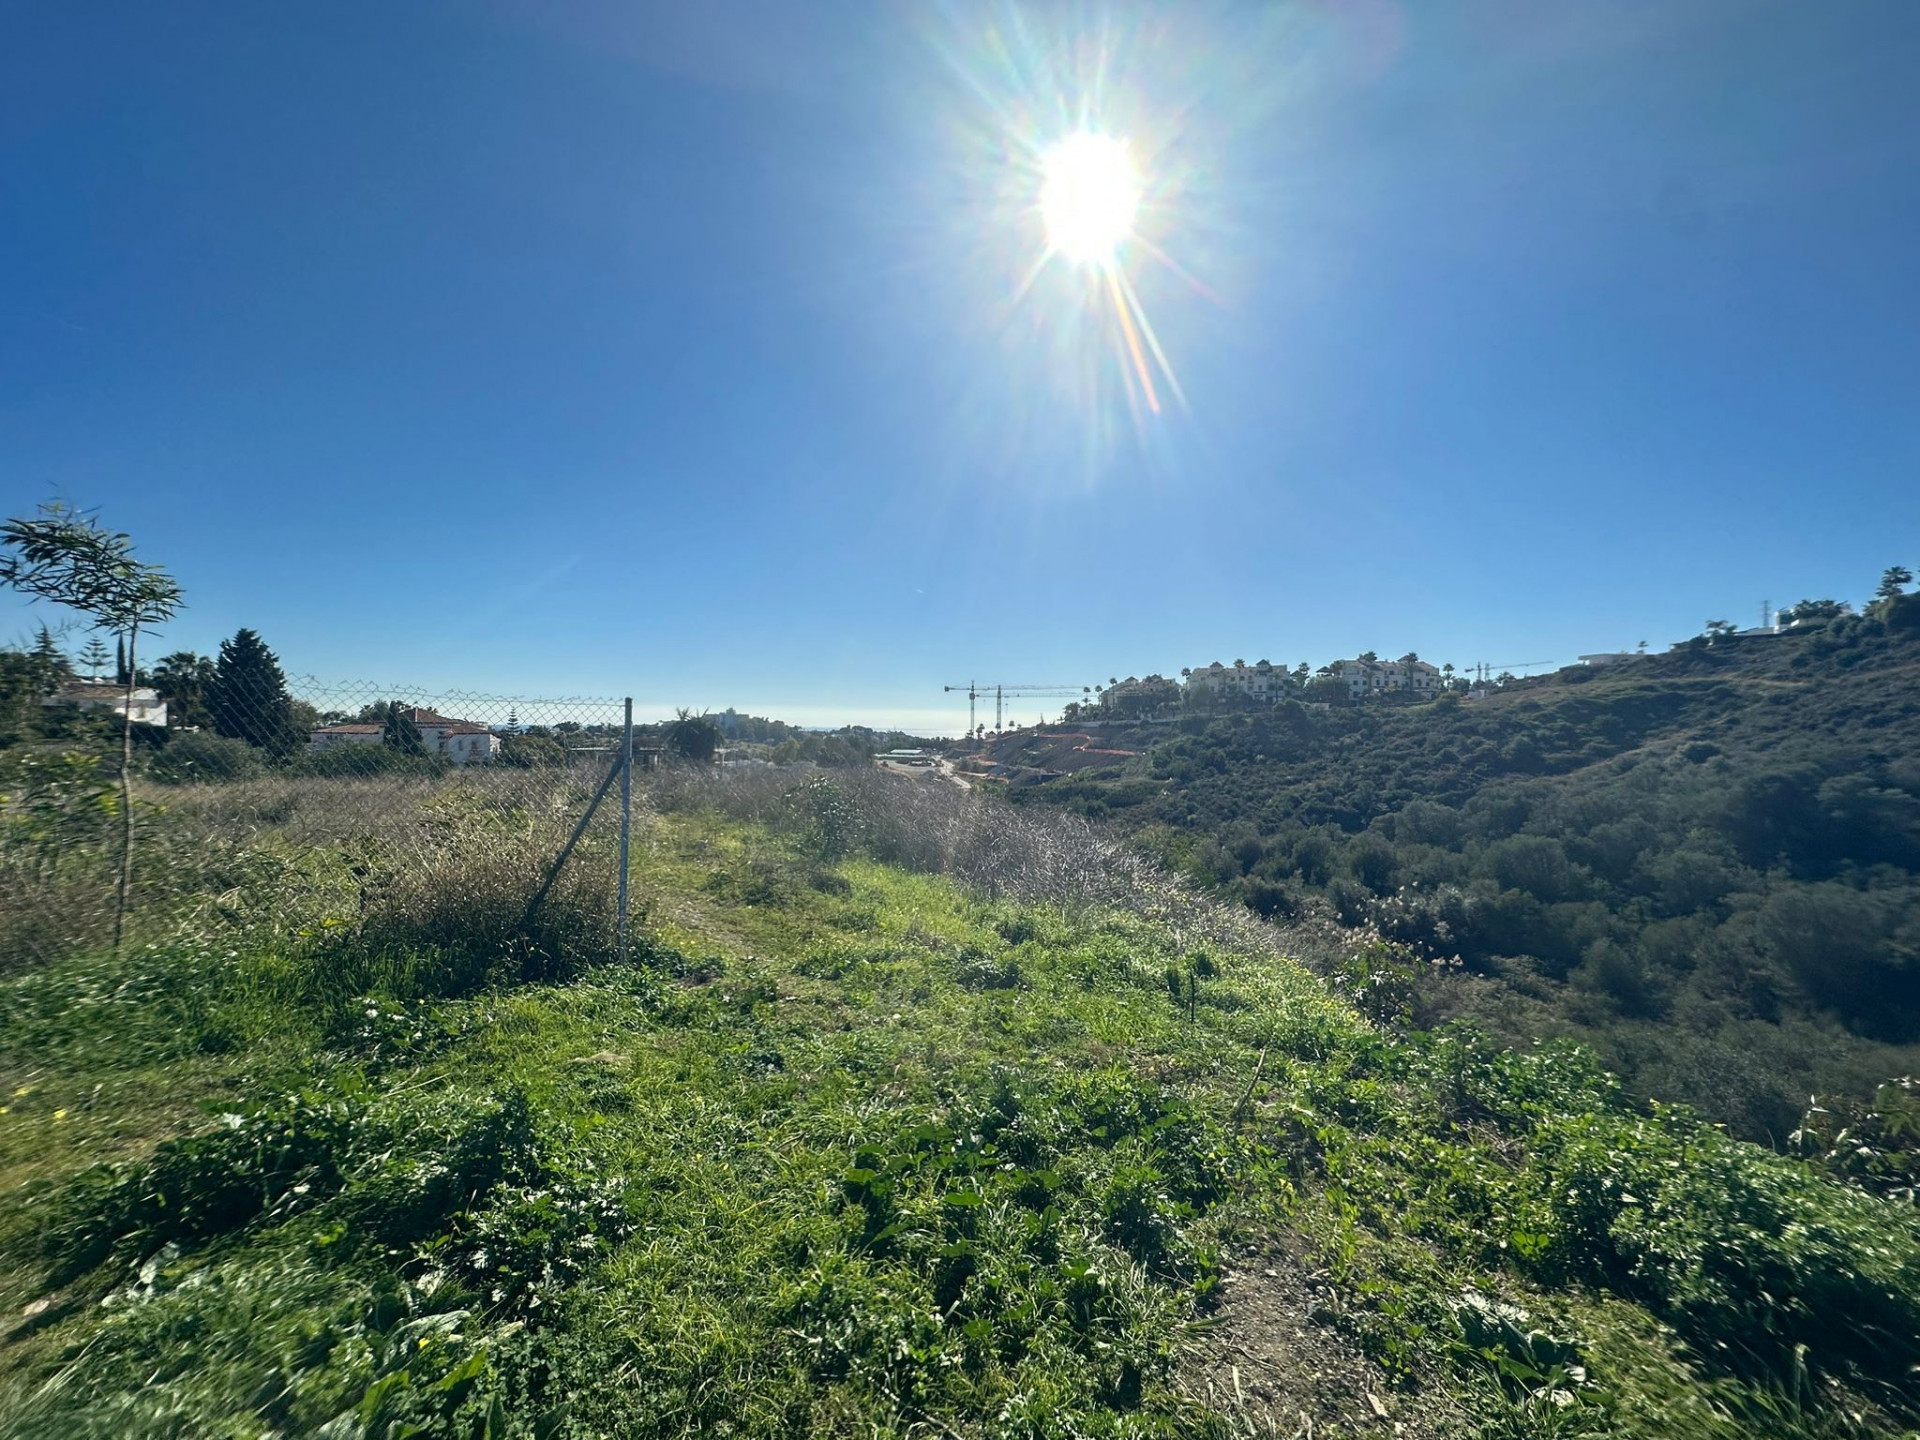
{"x": 1003, "y": 693}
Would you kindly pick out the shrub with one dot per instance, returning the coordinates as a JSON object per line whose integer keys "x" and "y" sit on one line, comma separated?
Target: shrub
{"x": 1748, "y": 1254}
{"x": 342, "y": 761}
{"x": 202, "y": 756}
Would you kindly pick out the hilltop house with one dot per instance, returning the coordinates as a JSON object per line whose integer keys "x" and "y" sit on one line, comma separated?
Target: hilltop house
{"x": 1259, "y": 681}
{"x": 1366, "y": 677}
{"x": 1135, "y": 696}
{"x": 461, "y": 741}
{"x": 147, "y": 709}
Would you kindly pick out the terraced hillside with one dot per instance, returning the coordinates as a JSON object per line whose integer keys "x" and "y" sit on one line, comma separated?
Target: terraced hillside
{"x": 913, "y": 1115}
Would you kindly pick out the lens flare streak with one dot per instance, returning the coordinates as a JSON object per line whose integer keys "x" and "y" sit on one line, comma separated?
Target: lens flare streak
{"x": 1125, "y": 312}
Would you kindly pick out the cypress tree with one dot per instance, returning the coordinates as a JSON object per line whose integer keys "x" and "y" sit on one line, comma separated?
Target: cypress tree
{"x": 247, "y": 697}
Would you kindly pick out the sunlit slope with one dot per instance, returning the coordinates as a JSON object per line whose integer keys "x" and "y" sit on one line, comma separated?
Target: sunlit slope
{"x": 853, "y": 1150}
{"x": 1707, "y": 862}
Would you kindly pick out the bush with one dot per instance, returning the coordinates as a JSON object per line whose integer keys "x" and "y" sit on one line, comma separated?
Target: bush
{"x": 448, "y": 916}
{"x": 342, "y": 761}
{"x": 1746, "y": 1253}
{"x": 201, "y": 756}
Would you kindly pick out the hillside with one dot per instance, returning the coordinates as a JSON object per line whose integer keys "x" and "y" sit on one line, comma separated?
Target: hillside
{"x": 1705, "y": 862}
{"x": 912, "y": 1115}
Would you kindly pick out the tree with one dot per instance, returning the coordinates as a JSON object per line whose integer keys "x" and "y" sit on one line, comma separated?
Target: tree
{"x": 1893, "y": 582}
{"x": 1814, "y": 611}
{"x": 1718, "y": 630}
{"x": 247, "y": 698}
{"x": 692, "y": 737}
{"x": 181, "y": 679}
{"x": 93, "y": 659}
{"x": 399, "y": 733}
{"x": 52, "y": 663}
{"x": 69, "y": 559}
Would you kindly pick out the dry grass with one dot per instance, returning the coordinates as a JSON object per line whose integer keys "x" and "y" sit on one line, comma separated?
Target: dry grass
{"x": 1027, "y": 856}
{"x": 441, "y": 865}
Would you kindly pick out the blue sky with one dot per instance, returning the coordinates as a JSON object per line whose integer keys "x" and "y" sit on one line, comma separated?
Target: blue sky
{"x": 682, "y": 351}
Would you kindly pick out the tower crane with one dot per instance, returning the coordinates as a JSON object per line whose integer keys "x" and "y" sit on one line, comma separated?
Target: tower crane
{"x": 1003, "y": 693}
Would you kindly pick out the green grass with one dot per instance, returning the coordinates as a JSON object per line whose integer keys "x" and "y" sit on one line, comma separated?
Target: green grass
{"x": 858, "y": 1151}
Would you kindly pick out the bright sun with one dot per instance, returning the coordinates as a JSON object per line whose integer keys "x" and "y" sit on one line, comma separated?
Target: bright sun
{"x": 1088, "y": 195}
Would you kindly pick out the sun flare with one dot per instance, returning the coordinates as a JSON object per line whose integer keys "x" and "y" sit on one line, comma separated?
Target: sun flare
{"x": 1089, "y": 194}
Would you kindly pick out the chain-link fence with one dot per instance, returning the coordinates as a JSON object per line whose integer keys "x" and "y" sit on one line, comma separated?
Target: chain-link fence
{"x": 342, "y": 803}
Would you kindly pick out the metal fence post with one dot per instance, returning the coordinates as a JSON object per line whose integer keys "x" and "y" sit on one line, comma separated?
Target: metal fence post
{"x": 626, "y": 820}
{"x": 553, "y": 874}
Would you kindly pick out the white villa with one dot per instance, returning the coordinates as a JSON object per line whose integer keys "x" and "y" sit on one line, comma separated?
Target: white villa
{"x": 461, "y": 741}
{"x": 1377, "y": 677}
{"x": 147, "y": 709}
{"x": 1262, "y": 681}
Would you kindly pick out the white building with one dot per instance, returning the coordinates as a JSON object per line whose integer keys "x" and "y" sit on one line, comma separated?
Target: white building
{"x": 461, "y": 741}
{"x": 147, "y": 708}
{"x": 1133, "y": 692}
{"x": 1260, "y": 681}
{"x": 1379, "y": 677}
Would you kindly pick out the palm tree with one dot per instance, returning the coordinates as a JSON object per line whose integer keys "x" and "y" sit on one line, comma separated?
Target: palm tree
{"x": 181, "y": 679}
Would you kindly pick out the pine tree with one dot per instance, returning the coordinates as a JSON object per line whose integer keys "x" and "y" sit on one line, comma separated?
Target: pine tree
{"x": 93, "y": 659}
{"x": 51, "y": 666}
{"x": 247, "y": 698}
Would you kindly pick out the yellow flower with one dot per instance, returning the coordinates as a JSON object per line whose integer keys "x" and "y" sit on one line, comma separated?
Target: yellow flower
{"x": 23, "y": 1090}
{"x": 59, "y": 1114}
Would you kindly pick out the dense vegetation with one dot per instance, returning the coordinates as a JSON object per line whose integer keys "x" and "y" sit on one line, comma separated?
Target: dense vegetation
{"x": 1018, "y": 1139}
{"x": 1706, "y": 862}
{"x": 911, "y": 1115}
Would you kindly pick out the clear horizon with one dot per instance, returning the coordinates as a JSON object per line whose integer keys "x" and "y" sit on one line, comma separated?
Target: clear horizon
{"x": 719, "y": 360}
